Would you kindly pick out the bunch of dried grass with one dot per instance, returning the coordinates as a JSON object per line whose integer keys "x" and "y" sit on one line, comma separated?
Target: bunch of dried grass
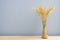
{"x": 43, "y": 13}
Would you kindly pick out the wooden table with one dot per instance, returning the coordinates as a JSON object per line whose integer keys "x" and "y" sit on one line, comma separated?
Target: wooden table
{"x": 28, "y": 38}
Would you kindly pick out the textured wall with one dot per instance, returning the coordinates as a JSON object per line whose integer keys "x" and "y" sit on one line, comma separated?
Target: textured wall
{"x": 18, "y": 18}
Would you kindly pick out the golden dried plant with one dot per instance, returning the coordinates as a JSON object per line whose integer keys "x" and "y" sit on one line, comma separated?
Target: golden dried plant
{"x": 43, "y": 13}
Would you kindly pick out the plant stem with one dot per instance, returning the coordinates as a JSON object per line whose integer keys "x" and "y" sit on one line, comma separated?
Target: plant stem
{"x": 44, "y": 33}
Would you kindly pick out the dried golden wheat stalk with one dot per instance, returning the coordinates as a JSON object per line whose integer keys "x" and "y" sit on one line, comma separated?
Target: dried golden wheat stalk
{"x": 43, "y": 13}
